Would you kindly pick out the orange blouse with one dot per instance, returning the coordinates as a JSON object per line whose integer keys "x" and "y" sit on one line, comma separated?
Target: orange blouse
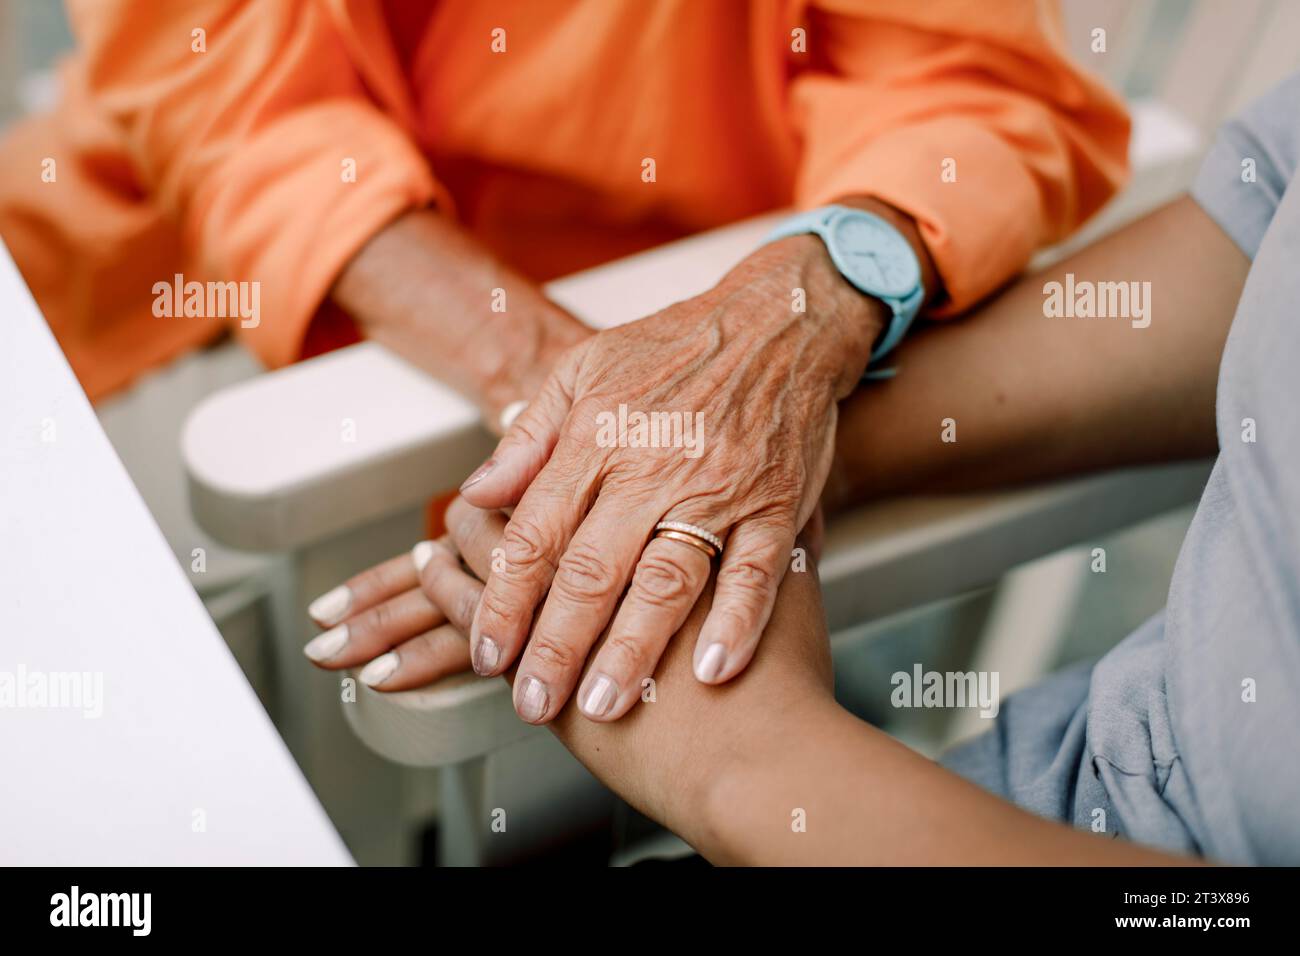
{"x": 225, "y": 154}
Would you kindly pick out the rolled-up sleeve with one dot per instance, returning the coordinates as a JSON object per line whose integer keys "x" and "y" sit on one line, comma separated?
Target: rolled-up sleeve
{"x": 969, "y": 117}
{"x": 1251, "y": 164}
{"x": 247, "y": 143}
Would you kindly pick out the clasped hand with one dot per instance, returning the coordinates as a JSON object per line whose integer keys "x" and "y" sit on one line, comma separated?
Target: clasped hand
{"x": 756, "y": 383}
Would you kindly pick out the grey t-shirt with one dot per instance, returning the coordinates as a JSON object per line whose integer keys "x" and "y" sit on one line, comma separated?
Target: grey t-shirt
{"x": 1187, "y": 735}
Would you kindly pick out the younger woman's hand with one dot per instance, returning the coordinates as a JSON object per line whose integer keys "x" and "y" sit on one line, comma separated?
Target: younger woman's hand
{"x": 408, "y": 619}
{"x": 382, "y": 619}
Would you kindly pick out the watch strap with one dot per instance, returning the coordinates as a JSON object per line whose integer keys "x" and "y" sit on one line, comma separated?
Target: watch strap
{"x": 814, "y": 220}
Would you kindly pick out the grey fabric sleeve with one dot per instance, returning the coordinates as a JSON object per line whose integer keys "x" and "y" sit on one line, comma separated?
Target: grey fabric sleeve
{"x": 1267, "y": 134}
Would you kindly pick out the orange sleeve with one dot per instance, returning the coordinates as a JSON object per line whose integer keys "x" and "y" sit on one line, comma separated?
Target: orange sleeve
{"x": 896, "y": 95}
{"x": 244, "y": 144}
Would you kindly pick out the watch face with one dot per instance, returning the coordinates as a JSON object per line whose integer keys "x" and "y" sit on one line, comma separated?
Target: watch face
{"x": 873, "y": 255}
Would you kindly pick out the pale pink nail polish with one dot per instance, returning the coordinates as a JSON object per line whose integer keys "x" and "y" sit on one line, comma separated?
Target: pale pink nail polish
{"x": 600, "y": 697}
{"x": 533, "y": 699}
{"x": 479, "y": 473}
{"x": 486, "y": 656}
{"x": 711, "y": 663}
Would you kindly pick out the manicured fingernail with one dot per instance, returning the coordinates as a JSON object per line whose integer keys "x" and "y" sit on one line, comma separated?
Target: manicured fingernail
{"x": 711, "y": 663}
{"x": 479, "y": 473}
{"x": 380, "y": 669}
{"x": 533, "y": 699}
{"x": 324, "y": 646}
{"x": 600, "y": 697}
{"x": 421, "y": 554}
{"x": 330, "y": 607}
{"x": 486, "y": 655}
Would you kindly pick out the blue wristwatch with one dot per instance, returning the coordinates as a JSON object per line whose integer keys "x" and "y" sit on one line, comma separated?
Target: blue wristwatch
{"x": 873, "y": 256}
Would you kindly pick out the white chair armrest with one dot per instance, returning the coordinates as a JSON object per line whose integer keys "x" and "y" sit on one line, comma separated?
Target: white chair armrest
{"x": 455, "y": 720}
{"x": 917, "y": 550}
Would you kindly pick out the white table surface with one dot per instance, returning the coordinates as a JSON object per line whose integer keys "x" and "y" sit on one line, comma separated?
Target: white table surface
{"x": 88, "y": 585}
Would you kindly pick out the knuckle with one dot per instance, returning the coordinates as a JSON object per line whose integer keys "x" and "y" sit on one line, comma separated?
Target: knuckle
{"x": 494, "y": 607}
{"x": 381, "y": 619}
{"x": 661, "y": 579}
{"x": 748, "y": 577}
{"x": 524, "y": 542}
{"x": 584, "y": 574}
{"x": 638, "y": 480}
{"x": 554, "y": 654}
{"x": 585, "y": 415}
{"x": 624, "y": 656}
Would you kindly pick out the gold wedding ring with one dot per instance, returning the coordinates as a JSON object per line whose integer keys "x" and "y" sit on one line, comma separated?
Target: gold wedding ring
{"x": 691, "y": 534}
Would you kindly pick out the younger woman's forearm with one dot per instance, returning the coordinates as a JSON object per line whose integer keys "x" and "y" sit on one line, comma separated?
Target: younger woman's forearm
{"x": 431, "y": 293}
{"x": 1010, "y": 393}
{"x": 823, "y": 788}
{"x": 768, "y": 769}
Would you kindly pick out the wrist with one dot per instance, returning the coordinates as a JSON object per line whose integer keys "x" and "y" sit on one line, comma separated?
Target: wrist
{"x": 797, "y": 273}
{"x": 515, "y": 354}
{"x": 874, "y": 256}
{"x": 909, "y": 230}
{"x": 430, "y": 292}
